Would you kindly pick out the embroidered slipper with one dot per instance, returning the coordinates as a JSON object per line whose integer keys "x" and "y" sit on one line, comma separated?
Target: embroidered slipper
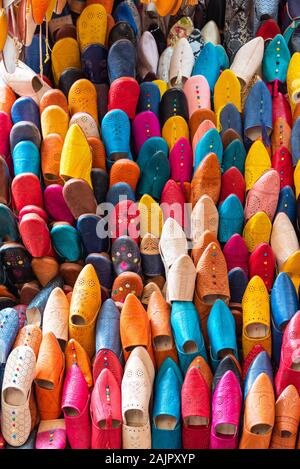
{"x": 126, "y": 171}
{"x": 263, "y": 197}
{"x": 204, "y": 217}
{"x": 203, "y": 128}
{"x": 174, "y": 129}
{"x": 149, "y": 97}
{"x": 145, "y": 126}
{"x": 51, "y": 435}
{"x": 76, "y": 355}
{"x": 149, "y": 148}
{"x": 262, "y": 263}
{"x": 257, "y": 163}
{"x": 154, "y": 176}
{"x": 115, "y": 128}
{"x": 124, "y": 94}
{"x": 152, "y": 265}
{"x": 76, "y": 407}
{"x": 9, "y": 320}
{"x": 109, "y": 434}
{"x": 83, "y": 98}
{"x": 197, "y": 92}
{"x": 82, "y": 321}
{"x": 173, "y": 204}
{"x": 284, "y": 240}
{"x": 257, "y": 230}
{"x": 16, "y": 420}
{"x": 206, "y": 180}
{"x": 87, "y": 124}
{"x": 16, "y": 261}
{"x": 108, "y": 329}
{"x": 248, "y": 60}
{"x": 56, "y": 315}
{"x": 173, "y": 103}
{"x": 227, "y": 91}
{"x": 23, "y": 80}
{"x": 125, "y": 255}
{"x": 135, "y": 328}
{"x": 233, "y": 183}
{"x": 68, "y": 77}
{"x": 258, "y": 103}
{"x": 181, "y": 161}
{"x": 151, "y": 216}
{"x": 212, "y": 280}
{"x": 181, "y": 280}
{"x": 54, "y": 120}
{"x": 124, "y": 220}
{"x": 30, "y": 336}
{"x": 210, "y": 143}
{"x": 125, "y": 283}
{"x": 173, "y": 243}
{"x": 162, "y": 338}
{"x": 91, "y": 26}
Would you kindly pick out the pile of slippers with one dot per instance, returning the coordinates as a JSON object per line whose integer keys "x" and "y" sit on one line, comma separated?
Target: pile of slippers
{"x": 149, "y": 224}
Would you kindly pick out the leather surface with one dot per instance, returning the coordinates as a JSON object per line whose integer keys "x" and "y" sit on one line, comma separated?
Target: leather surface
{"x": 186, "y": 327}
{"x": 35, "y": 309}
{"x": 76, "y": 397}
{"x": 50, "y": 368}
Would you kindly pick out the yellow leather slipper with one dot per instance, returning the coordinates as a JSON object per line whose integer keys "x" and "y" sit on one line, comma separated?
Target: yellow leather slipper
{"x": 65, "y": 54}
{"x": 257, "y": 230}
{"x": 256, "y": 316}
{"x": 257, "y": 162}
{"x": 84, "y": 309}
{"x": 76, "y": 156}
{"x": 83, "y": 98}
{"x": 91, "y": 26}
{"x": 54, "y": 120}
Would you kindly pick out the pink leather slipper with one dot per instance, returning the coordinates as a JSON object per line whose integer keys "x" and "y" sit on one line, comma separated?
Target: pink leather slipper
{"x": 75, "y": 406}
{"x": 145, "y": 126}
{"x": 55, "y": 204}
{"x": 181, "y": 161}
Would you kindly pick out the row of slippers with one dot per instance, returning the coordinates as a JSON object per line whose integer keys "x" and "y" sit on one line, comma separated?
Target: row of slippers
{"x": 130, "y": 329}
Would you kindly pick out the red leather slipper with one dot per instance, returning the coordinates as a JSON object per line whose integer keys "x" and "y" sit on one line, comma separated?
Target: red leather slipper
{"x": 35, "y": 235}
{"x": 26, "y": 190}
